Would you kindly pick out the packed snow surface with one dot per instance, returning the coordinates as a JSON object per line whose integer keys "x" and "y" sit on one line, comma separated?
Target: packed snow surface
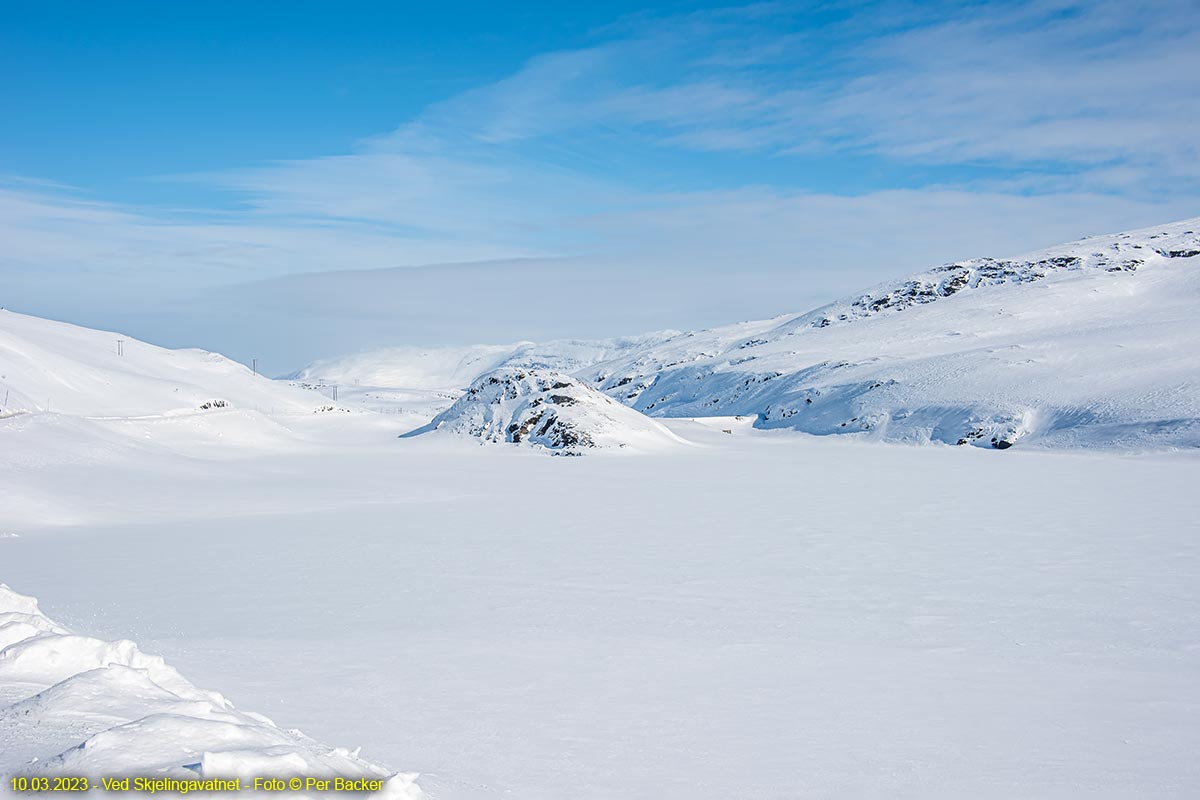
{"x": 76, "y": 706}
{"x": 547, "y": 410}
{"x": 1094, "y": 343}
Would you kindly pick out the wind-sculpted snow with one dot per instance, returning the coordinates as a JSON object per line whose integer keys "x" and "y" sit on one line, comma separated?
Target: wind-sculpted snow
{"x": 550, "y": 411}
{"x": 76, "y": 706}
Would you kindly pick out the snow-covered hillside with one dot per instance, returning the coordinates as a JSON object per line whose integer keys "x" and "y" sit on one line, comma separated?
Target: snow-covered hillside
{"x": 72, "y": 705}
{"x": 548, "y": 410}
{"x": 1091, "y": 343}
{"x": 66, "y": 369}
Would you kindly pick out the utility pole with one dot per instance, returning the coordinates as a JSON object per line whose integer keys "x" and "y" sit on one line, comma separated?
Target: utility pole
{"x": 254, "y": 366}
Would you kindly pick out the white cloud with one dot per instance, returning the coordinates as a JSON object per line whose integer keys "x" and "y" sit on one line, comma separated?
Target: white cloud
{"x": 1086, "y": 115}
{"x": 1086, "y": 85}
{"x": 50, "y": 236}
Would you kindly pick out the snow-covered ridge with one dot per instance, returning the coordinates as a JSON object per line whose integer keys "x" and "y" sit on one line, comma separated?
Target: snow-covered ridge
{"x": 1122, "y": 252}
{"x": 547, "y": 410}
{"x": 74, "y": 706}
{"x": 66, "y": 369}
{"x": 628, "y": 374}
{"x": 1092, "y": 343}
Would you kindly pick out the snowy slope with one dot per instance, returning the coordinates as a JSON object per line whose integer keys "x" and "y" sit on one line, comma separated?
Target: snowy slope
{"x": 1091, "y": 343}
{"x": 77, "y": 706}
{"x": 547, "y": 410}
{"x": 66, "y": 369}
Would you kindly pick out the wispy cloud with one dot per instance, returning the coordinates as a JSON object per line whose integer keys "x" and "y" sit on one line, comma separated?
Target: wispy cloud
{"x": 1085, "y": 85}
{"x": 1040, "y": 121}
{"x": 53, "y": 236}
{"x": 1080, "y": 85}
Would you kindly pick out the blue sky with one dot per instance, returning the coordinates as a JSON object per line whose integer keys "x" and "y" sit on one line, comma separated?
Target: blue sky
{"x": 165, "y": 167}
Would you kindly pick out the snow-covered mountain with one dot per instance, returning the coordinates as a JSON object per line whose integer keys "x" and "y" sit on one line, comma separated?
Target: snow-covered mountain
{"x": 1095, "y": 342}
{"x": 547, "y": 410}
{"x": 73, "y": 705}
{"x": 66, "y": 369}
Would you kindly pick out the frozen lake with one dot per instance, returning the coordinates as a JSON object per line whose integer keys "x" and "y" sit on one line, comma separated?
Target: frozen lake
{"x": 759, "y": 616}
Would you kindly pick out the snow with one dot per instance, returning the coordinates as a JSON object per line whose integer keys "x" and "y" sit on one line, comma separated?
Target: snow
{"x": 765, "y": 614}
{"x": 1093, "y": 343}
{"x": 417, "y": 383}
{"x": 433, "y": 368}
{"x": 742, "y": 609}
{"x": 56, "y": 367}
{"x": 79, "y": 706}
{"x": 1089, "y": 344}
{"x": 547, "y": 410}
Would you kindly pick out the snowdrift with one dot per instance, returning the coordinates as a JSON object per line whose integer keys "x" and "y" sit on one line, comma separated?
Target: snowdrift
{"x": 550, "y": 411}
{"x": 72, "y": 705}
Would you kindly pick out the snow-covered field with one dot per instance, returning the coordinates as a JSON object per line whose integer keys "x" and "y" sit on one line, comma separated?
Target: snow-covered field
{"x": 765, "y": 615}
{"x": 713, "y": 603}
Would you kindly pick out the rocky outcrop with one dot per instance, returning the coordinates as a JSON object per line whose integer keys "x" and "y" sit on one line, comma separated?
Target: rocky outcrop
{"x": 547, "y": 410}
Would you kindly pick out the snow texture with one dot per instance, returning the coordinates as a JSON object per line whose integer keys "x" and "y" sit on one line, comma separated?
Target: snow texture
{"x": 77, "y": 706}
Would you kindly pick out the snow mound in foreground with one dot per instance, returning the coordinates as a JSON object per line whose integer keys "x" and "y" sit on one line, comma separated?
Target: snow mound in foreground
{"x": 76, "y": 706}
{"x": 548, "y": 410}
